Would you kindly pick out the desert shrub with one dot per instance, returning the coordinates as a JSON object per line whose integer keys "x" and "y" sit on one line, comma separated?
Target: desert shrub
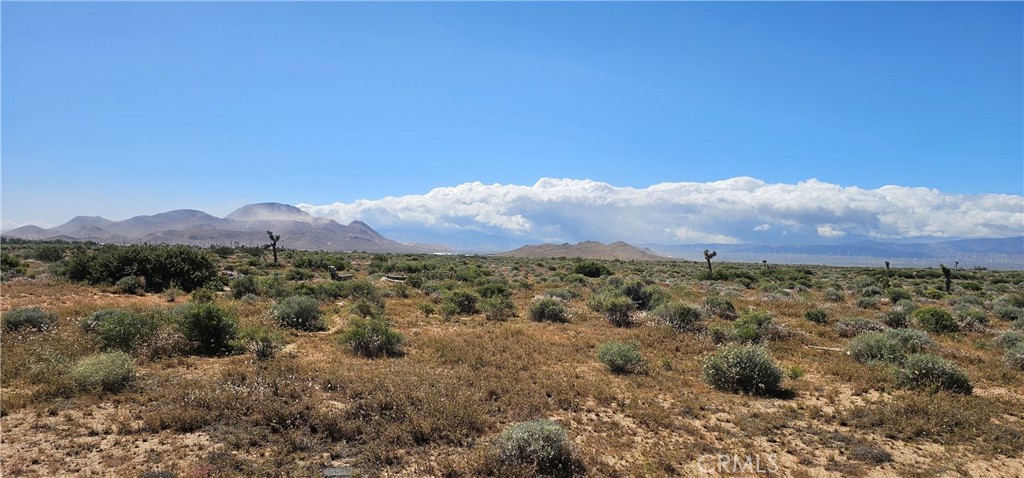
{"x": 935, "y": 320}
{"x": 299, "y": 312}
{"x": 931, "y": 372}
{"x": 209, "y": 328}
{"x": 870, "y": 291}
{"x": 493, "y": 287}
{"x": 462, "y": 301}
{"x": 109, "y": 372}
{"x": 563, "y": 294}
{"x": 366, "y": 309}
{"x": 262, "y": 342}
{"x": 644, "y": 296}
{"x": 244, "y": 285}
{"x": 547, "y": 310}
{"x": 1015, "y": 356}
{"x": 28, "y": 317}
{"x": 853, "y": 326}
{"x": 1009, "y": 313}
{"x": 747, "y": 369}
{"x": 896, "y": 318}
{"x": 122, "y": 330}
{"x": 49, "y": 253}
{"x": 834, "y": 295}
{"x": 615, "y": 308}
{"x": 875, "y": 346}
{"x": 186, "y": 267}
{"x": 173, "y": 293}
{"x": 542, "y": 445}
{"x": 373, "y": 338}
{"x": 621, "y": 357}
{"x": 1009, "y": 339}
{"x": 970, "y": 318}
{"x": 592, "y": 269}
{"x": 750, "y": 325}
{"x": 203, "y": 296}
{"x": 498, "y": 308}
{"x": 678, "y": 315}
{"x": 721, "y": 307}
{"x": 818, "y": 316}
{"x": 275, "y": 286}
{"x": 867, "y": 302}
{"x": 887, "y": 346}
{"x": 297, "y": 274}
{"x": 898, "y": 294}
{"x": 131, "y": 285}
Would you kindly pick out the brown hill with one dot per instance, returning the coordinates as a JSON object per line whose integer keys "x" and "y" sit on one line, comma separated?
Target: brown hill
{"x": 587, "y": 250}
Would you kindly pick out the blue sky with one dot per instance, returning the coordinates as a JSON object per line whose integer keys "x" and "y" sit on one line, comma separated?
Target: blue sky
{"x": 119, "y": 109}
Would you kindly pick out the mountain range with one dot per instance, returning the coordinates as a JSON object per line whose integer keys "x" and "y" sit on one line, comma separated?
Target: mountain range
{"x": 247, "y": 225}
{"x": 587, "y": 250}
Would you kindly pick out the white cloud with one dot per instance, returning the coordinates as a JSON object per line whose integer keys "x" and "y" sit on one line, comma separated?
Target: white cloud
{"x": 830, "y": 231}
{"x": 558, "y": 210}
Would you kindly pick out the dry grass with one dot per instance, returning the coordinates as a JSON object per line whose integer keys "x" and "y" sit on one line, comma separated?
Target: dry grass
{"x": 436, "y": 410}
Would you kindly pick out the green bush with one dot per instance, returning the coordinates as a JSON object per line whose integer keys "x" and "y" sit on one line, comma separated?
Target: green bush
{"x": 244, "y": 285}
{"x": 162, "y": 266}
{"x": 28, "y": 317}
{"x": 750, "y": 325}
{"x": 867, "y": 302}
{"x": 890, "y": 346}
{"x": 462, "y": 301}
{"x": 1009, "y": 339}
{"x": 299, "y": 312}
{"x": 123, "y": 330}
{"x": 131, "y": 285}
{"x": 367, "y": 310}
{"x": 1015, "y": 356}
{"x": 615, "y": 308}
{"x": 592, "y": 269}
{"x": 209, "y": 328}
{"x": 747, "y": 369}
{"x": 620, "y": 357}
{"x": 109, "y": 372}
{"x": 834, "y": 295}
{"x": 721, "y": 307}
{"x": 935, "y": 320}
{"x": 931, "y": 372}
{"x": 1009, "y": 313}
{"x": 542, "y": 445}
{"x": 547, "y": 310}
{"x": 644, "y": 296}
{"x": 678, "y": 315}
{"x": 203, "y": 296}
{"x": 854, "y": 326}
{"x": 498, "y": 308}
{"x": 818, "y": 316}
{"x": 373, "y": 338}
{"x": 898, "y": 294}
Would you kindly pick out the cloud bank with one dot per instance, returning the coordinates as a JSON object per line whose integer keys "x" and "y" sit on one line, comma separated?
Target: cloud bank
{"x": 729, "y": 211}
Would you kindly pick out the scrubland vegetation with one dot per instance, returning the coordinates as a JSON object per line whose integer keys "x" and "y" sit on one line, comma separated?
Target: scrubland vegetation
{"x": 167, "y": 361}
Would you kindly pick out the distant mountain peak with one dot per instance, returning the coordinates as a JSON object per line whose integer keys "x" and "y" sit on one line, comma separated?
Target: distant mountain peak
{"x": 269, "y": 211}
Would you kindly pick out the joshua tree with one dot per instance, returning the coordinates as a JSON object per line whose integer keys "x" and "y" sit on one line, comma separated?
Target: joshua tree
{"x": 708, "y": 255}
{"x": 273, "y": 243}
{"x": 956, "y": 265}
{"x": 764, "y": 262}
{"x": 948, "y": 275}
{"x": 888, "y": 272}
